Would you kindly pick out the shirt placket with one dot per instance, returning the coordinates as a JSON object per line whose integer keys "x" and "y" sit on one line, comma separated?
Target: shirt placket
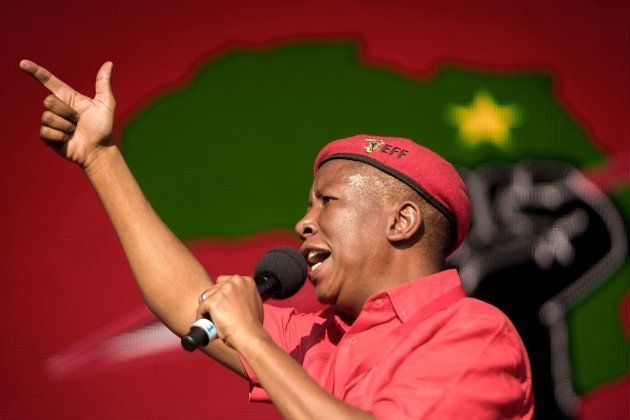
{"x": 347, "y": 351}
{"x": 341, "y": 365}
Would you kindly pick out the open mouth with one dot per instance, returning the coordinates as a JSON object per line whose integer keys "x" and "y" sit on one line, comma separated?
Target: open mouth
{"x": 316, "y": 258}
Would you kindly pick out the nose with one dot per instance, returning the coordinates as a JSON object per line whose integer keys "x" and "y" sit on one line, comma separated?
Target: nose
{"x": 307, "y": 225}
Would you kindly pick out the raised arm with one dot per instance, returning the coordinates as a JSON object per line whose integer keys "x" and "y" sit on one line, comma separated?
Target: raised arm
{"x": 170, "y": 279}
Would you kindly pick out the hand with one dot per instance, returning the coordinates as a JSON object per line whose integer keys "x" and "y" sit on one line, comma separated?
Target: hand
{"x": 76, "y": 126}
{"x": 235, "y": 307}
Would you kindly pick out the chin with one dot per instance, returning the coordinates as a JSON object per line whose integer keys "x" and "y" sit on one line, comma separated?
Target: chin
{"x": 325, "y": 298}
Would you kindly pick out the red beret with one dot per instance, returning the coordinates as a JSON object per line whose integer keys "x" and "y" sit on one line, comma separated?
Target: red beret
{"x": 425, "y": 171}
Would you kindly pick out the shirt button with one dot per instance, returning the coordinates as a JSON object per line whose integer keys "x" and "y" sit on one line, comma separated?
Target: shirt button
{"x": 352, "y": 340}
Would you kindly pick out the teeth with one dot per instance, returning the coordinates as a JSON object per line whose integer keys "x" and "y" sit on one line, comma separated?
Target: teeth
{"x": 314, "y": 267}
{"x": 313, "y": 256}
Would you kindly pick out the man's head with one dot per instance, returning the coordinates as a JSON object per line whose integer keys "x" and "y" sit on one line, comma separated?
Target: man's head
{"x": 370, "y": 216}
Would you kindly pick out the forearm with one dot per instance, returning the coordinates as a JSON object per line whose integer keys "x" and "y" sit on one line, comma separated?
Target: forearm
{"x": 294, "y": 393}
{"x": 168, "y": 275}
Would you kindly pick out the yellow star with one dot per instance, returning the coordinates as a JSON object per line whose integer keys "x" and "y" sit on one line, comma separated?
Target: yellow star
{"x": 484, "y": 120}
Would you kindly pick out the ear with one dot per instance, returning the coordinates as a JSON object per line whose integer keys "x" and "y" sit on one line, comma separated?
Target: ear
{"x": 406, "y": 222}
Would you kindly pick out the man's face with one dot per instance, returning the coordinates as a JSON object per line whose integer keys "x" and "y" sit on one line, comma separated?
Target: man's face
{"x": 343, "y": 231}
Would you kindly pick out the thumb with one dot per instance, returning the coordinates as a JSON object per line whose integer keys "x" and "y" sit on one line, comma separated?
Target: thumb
{"x": 103, "y": 86}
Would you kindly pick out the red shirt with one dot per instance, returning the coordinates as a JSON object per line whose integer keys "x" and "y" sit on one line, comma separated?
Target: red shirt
{"x": 422, "y": 349}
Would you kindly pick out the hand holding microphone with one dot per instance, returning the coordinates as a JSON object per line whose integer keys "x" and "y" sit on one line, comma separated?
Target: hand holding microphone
{"x": 280, "y": 273}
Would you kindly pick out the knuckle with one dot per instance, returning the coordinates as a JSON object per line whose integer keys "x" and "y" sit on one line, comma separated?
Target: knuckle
{"x": 46, "y": 76}
{"x": 244, "y": 281}
{"x": 49, "y": 101}
{"x": 47, "y": 117}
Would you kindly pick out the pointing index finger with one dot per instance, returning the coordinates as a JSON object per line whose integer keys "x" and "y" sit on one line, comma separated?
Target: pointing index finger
{"x": 46, "y": 78}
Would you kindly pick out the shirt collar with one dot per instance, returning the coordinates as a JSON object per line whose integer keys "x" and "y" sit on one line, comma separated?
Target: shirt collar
{"x": 430, "y": 293}
{"x": 408, "y": 298}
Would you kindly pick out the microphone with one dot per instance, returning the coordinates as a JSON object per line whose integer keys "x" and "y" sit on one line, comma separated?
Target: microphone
{"x": 280, "y": 273}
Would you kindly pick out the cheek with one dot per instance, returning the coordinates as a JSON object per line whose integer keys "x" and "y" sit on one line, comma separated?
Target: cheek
{"x": 361, "y": 229}
{"x": 353, "y": 252}
{"x": 352, "y": 234}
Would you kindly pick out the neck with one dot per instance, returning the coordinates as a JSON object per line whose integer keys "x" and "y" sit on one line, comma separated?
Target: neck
{"x": 401, "y": 267}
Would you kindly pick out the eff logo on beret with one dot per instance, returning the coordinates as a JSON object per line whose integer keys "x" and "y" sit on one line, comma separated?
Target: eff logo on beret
{"x": 373, "y": 145}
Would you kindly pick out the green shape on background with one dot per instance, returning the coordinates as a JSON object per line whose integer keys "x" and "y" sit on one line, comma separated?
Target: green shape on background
{"x": 231, "y": 153}
{"x": 600, "y": 350}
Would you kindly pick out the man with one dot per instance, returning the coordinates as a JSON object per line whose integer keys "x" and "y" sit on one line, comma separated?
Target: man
{"x": 399, "y": 340}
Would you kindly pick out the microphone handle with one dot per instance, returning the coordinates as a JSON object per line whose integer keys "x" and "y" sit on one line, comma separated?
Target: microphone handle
{"x": 203, "y": 331}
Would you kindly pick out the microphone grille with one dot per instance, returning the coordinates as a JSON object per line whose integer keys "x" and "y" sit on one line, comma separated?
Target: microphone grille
{"x": 285, "y": 264}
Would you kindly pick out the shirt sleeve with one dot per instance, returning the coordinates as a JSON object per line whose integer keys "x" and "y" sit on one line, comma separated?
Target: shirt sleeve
{"x": 283, "y": 325}
{"x": 477, "y": 370}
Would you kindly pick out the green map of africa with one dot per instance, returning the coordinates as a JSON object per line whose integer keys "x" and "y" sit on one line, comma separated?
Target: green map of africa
{"x": 230, "y": 153}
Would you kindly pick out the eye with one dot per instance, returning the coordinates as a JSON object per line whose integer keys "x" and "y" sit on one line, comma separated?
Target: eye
{"x": 326, "y": 199}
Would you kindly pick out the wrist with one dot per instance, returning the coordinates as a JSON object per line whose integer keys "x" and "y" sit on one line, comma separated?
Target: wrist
{"x": 98, "y": 157}
{"x": 250, "y": 340}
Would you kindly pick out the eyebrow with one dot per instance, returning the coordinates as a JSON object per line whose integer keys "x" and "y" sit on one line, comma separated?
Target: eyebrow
{"x": 318, "y": 194}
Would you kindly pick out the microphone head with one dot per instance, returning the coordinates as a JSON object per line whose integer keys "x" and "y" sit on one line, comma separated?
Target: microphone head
{"x": 287, "y": 266}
